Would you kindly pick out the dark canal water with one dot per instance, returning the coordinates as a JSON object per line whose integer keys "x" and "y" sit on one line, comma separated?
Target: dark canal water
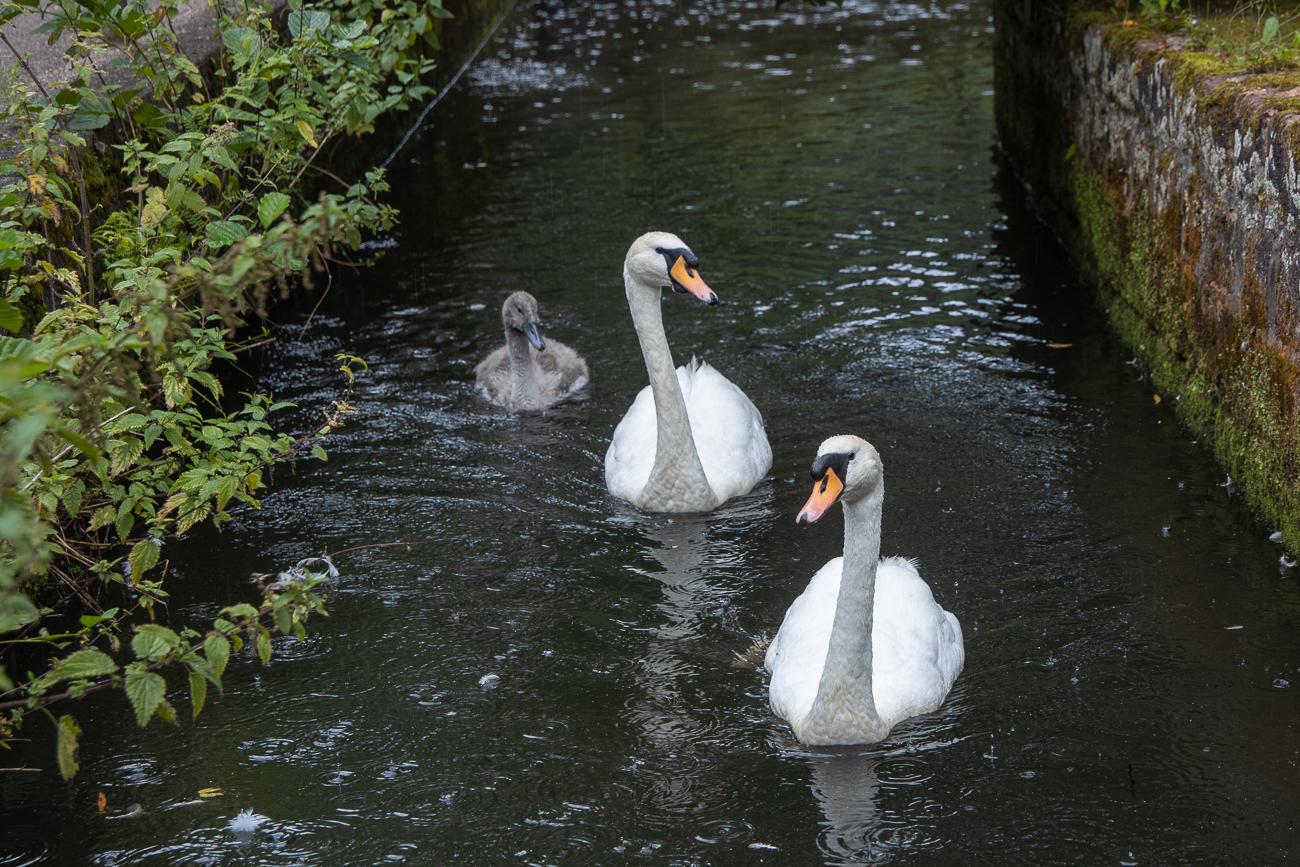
{"x": 1131, "y": 639}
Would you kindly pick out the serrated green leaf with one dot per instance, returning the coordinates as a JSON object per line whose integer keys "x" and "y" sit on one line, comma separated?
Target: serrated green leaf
{"x": 10, "y": 317}
{"x": 263, "y": 646}
{"x": 146, "y": 691}
{"x": 217, "y": 650}
{"x": 67, "y": 746}
{"x": 166, "y": 712}
{"x": 86, "y": 119}
{"x": 149, "y": 646}
{"x": 125, "y": 521}
{"x": 126, "y": 454}
{"x": 229, "y": 485}
{"x": 271, "y": 206}
{"x": 73, "y": 497}
{"x": 83, "y": 664}
{"x": 319, "y": 452}
{"x": 198, "y": 691}
{"x": 202, "y": 667}
{"x": 304, "y": 23}
{"x": 144, "y": 556}
{"x": 148, "y": 115}
{"x": 225, "y": 232}
{"x": 188, "y": 520}
{"x": 162, "y": 632}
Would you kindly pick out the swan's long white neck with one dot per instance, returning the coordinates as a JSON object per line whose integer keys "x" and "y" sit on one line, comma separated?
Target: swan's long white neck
{"x": 844, "y": 711}
{"x": 524, "y": 392}
{"x": 677, "y": 482}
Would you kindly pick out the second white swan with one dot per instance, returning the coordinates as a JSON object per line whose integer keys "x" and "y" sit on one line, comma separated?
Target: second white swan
{"x": 691, "y": 440}
{"x": 865, "y": 645}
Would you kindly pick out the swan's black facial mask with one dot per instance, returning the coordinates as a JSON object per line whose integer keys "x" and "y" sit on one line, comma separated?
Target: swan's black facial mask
{"x": 683, "y": 276}
{"x": 837, "y": 462}
{"x": 828, "y": 472}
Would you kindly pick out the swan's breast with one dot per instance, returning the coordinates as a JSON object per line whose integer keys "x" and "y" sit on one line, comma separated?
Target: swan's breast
{"x": 797, "y": 655}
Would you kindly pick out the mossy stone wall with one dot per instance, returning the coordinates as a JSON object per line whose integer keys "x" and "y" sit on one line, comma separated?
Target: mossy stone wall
{"x": 1176, "y": 190}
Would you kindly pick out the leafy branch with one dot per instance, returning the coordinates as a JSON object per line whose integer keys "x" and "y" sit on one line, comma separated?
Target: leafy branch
{"x": 286, "y": 605}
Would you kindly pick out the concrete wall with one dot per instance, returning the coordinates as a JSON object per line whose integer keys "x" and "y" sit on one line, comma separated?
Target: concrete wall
{"x": 1176, "y": 189}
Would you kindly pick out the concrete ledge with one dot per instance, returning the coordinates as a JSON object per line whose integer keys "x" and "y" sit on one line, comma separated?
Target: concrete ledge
{"x": 1178, "y": 193}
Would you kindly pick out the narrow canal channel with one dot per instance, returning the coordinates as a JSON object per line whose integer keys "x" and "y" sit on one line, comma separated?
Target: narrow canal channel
{"x": 1132, "y": 645}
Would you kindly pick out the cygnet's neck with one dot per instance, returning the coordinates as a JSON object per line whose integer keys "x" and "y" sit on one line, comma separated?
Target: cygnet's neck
{"x": 844, "y": 711}
{"x": 677, "y": 482}
{"x": 524, "y": 393}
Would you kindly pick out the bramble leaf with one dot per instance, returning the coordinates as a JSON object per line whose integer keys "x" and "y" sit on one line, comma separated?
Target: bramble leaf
{"x": 146, "y": 691}
{"x": 66, "y": 746}
{"x": 148, "y": 644}
{"x": 198, "y": 691}
{"x": 83, "y": 664}
{"x": 217, "y": 649}
{"x": 10, "y": 318}
{"x": 144, "y": 556}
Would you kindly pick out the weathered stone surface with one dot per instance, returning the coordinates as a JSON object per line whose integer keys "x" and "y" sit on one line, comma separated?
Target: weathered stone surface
{"x": 1178, "y": 194}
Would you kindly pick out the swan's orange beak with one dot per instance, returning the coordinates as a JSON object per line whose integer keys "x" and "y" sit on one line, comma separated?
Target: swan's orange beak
{"x": 691, "y": 282}
{"x": 824, "y": 495}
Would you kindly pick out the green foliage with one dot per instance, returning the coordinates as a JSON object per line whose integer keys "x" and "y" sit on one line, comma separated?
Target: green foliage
{"x": 1254, "y": 36}
{"x": 116, "y": 434}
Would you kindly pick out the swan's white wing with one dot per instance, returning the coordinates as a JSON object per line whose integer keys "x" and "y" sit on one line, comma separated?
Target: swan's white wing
{"x": 727, "y": 429}
{"x": 796, "y": 656}
{"x": 916, "y": 646}
{"x": 631, "y": 453}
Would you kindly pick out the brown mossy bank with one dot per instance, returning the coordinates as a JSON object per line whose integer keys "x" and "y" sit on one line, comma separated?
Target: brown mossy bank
{"x": 1174, "y": 183}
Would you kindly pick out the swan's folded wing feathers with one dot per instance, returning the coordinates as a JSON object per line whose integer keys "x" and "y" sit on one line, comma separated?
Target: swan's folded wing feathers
{"x": 560, "y": 371}
{"x": 492, "y": 375}
{"x": 727, "y": 429}
{"x": 917, "y": 655}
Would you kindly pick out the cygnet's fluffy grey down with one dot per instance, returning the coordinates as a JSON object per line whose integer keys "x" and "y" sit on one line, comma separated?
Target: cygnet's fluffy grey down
{"x": 529, "y": 373}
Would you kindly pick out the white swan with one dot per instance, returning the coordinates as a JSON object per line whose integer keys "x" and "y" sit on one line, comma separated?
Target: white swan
{"x": 865, "y": 645}
{"x": 691, "y": 440}
{"x": 520, "y": 377}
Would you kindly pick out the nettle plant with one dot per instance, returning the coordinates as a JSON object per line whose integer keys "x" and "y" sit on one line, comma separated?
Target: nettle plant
{"x": 117, "y": 434}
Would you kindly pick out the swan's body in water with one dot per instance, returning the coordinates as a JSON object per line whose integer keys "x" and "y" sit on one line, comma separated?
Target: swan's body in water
{"x": 523, "y": 377}
{"x": 691, "y": 440}
{"x": 865, "y": 645}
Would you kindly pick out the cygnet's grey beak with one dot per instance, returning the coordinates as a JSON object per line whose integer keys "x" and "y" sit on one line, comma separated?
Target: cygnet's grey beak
{"x": 535, "y": 338}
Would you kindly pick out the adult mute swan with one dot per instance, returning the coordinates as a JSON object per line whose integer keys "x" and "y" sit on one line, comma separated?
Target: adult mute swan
{"x": 691, "y": 440}
{"x": 865, "y": 645}
{"x": 520, "y": 377}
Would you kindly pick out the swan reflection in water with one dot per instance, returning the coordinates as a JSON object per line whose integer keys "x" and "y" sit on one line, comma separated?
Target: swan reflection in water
{"x": 880, "y": 801}
{"x": 692, "y": 597}
{"x": 846, "y": 786}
